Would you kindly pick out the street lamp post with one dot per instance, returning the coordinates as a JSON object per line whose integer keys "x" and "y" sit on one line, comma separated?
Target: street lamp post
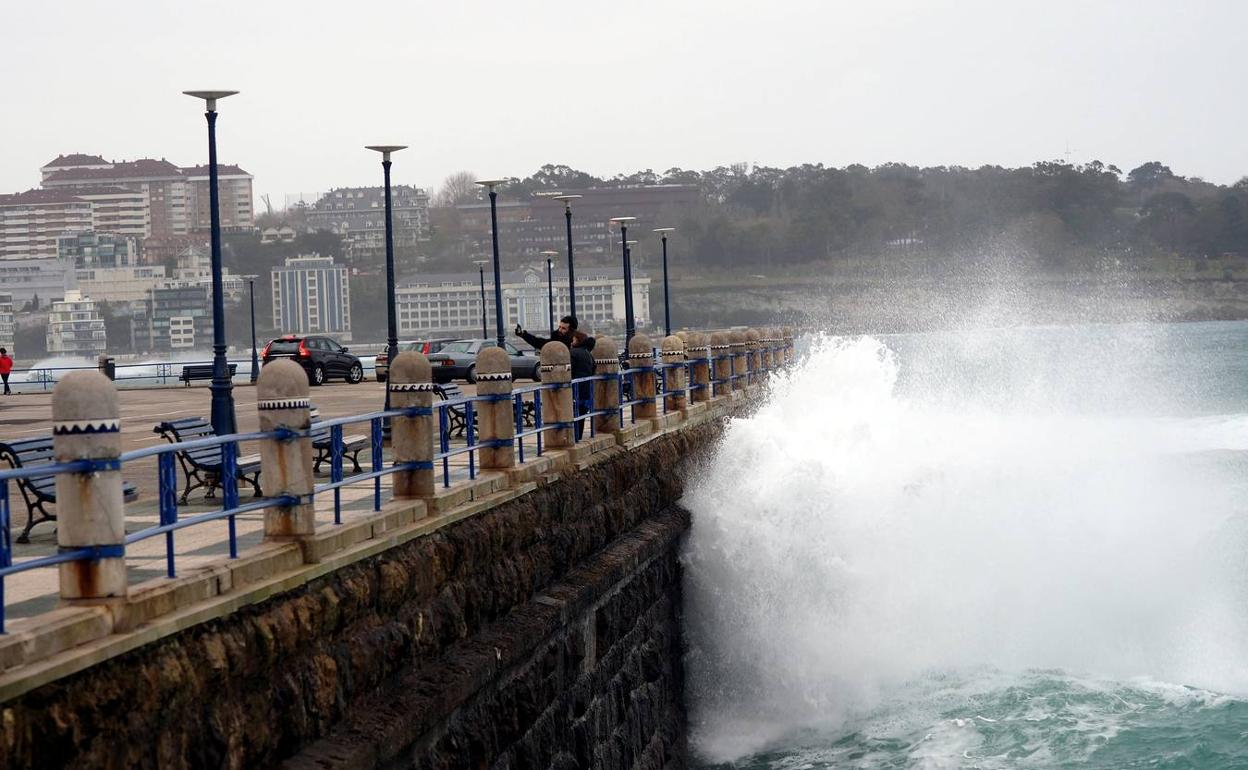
{"x": 392, "y": 321}
{"x": 667, "y": 308}
{"x": 481, "y": 263}
{"x": 490, "y": 184}
{"x": 629, "y": 328}
{"x": 550, "y": 287}
{"x": 223, "y": 419}
{"x": 255, "y": 356}
{"x": 567, "y": 214}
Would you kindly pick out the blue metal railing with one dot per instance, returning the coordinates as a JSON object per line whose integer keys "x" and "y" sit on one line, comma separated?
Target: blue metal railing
{"x": 445, "y": 412}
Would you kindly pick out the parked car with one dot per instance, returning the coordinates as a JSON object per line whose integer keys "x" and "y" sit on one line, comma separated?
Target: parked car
{"x": 321, "y": 357}
{"x": 458, "y": 361}
{"x": 382, "y": 366}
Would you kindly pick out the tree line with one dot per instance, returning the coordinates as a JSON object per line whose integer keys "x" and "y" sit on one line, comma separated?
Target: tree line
{"x": 1053, "y": 215}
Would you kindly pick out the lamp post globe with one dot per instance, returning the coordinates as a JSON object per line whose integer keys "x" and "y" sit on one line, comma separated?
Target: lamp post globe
{"x": 224, "y": 421}
{"x": 392, "y": 322}
{"x": 490, "y": 184}
{"x": 667, "y": 307}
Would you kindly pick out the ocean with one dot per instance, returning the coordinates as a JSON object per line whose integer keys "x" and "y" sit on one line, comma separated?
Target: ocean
{"x": 987, "y": 548}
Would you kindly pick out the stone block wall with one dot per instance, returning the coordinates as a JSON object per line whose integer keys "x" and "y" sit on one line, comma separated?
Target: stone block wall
{"x": 542, "y": 632}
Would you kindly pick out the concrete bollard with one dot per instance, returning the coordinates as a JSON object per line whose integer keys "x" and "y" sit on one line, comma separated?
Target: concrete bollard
{"x": 721, "y": 349}
{"x": 90, "y": 511}
{"x": 496, "y": 418}
{"x": 411, "y": 438}
{"x": 699, "y": 352}
{"x": 764, "y": 350}
{"x": 737, "y": 341}
{"x": 641, "y": 360}
{"x": 285, "y": 465}
{"x": 606, "y": 392}
{"x": 787, "y": 343}
{"x": 556, "y": 368}
{"x": 753, "y": 358}
{"x": 674, "y": 378}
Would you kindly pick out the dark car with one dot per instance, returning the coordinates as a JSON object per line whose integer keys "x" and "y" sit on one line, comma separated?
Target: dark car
{"x": 458, "y": 360}
{"x": 321, "y": 357}
{"x": 416, "y": 346}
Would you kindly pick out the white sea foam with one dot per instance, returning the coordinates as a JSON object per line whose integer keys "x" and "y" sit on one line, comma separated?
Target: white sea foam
{"x": 850, "y": 539}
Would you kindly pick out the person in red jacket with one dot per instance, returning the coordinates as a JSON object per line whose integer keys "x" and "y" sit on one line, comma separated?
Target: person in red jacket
{"x": 6, "y": 366}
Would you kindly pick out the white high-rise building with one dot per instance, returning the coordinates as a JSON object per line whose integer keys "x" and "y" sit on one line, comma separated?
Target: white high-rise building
{"x": 76, "y": 327}
{"x": 7, "y": 327}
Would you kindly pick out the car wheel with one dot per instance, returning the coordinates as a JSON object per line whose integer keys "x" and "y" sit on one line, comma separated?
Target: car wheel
{"x": 318, "y": 375}
{"x": 471, "y": 375}
{"x": 355, "y": 374}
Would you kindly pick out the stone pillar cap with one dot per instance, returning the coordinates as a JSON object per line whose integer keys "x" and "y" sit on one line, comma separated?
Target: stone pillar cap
{"x": 640, "y": 343}
{"x": 554, "y": 352}
{"x": 410, "y": 366}
{"x": 85, "y": 396}
{"x": 673, "y": 344}
{"x": 282, "y": 380}
{"x": 491, "y": 361}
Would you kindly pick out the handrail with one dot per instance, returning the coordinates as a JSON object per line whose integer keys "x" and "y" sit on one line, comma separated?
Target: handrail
{"x": 446, "y": 449}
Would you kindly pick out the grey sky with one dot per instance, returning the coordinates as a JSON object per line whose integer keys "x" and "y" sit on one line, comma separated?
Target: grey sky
{"x": 501, "y": 87}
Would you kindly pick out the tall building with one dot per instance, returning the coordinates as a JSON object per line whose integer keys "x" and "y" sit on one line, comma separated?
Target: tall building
{"x": 312, "y": 295}
{"x": 76, "y": 327}
{"x": 451, "y": 303}
{"x": 175, "y": 200}
{"x": 358, "y": 214}
{"x": 7, "y": 327}
{"x": 175, "y": 317}
{"x": 31, "y": 222}
{"x": 195, "y": 266}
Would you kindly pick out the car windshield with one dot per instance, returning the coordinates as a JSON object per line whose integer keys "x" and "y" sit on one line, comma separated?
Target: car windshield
{"x": 284, "y": 346}
{"x": 459, "y": 346}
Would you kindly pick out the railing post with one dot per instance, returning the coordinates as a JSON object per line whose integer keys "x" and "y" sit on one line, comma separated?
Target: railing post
{"x": 674, "y": 376}
{"x": 90, "y": 511}
{"x": 606, "y": 392}
{"x": 737, "y": 340}
{"x": 766, "y": 342}
{"x": 556, "y": 368}
{"x": 721, "y": 351}
{"x": 788, "y": 354}
{"x": 411, "y": 438}
{"x": 286, "y": 463}
{"x": 699, "y": 353}
{"x": 641, "y": 359}
{"x": 495, "y": 416}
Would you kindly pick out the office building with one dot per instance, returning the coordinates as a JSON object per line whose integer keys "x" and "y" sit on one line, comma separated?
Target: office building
{"x": 358, "y": 215}
{"x": 312, "y": 295}
{"x": 451, "y": 303}
{"x": 175, "y": 316}
{"x": 46, "y": 279}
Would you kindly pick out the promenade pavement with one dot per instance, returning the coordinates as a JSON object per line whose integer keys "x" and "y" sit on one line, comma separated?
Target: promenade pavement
{"x": 29, "y": 415}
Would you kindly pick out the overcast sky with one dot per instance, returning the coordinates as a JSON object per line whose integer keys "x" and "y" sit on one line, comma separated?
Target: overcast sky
{"x": 499, "y": 88}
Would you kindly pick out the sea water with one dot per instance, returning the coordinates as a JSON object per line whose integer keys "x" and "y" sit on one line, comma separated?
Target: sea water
{"x": 992, "y": 548}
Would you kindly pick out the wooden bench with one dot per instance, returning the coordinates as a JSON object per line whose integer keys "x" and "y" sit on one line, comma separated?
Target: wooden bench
{"x": 201, "y": 372}
{"x": 41, "y": 490}
{"x": 202, "y": 466}
{"x": 352, "y": 445}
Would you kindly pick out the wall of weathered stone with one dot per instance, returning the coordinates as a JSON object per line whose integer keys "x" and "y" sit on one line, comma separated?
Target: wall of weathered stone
{"x": 540, "y": 633}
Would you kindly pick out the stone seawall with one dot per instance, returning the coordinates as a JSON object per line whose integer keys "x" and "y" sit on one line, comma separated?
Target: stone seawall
{"x": 542, "y": 632}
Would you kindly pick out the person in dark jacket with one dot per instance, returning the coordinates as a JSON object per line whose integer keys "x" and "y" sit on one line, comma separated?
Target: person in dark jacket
{"x": 582, "y": 351}
{"x": 563, "y": 333}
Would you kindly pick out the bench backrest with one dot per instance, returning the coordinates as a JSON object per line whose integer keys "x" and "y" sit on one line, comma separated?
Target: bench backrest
{"x": 449, "y": 392}
{"x": 185, "y": 429}
{"x": 27, "y": 452}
